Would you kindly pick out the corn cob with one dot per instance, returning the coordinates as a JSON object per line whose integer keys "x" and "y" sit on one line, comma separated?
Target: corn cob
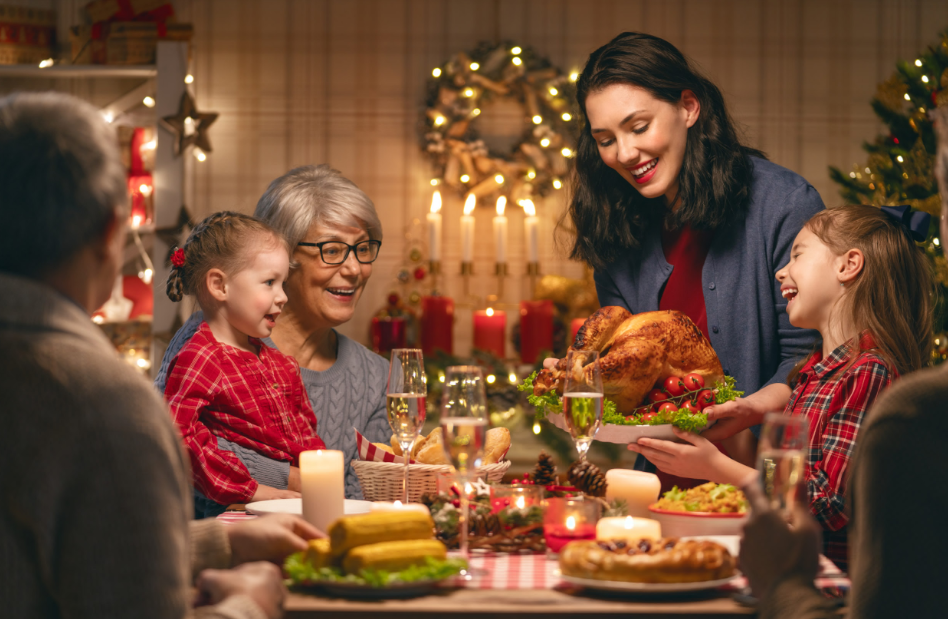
{"x": 318, "y": 553}
{"x": 351, "y": 531}
{"x": 393, "y": 556}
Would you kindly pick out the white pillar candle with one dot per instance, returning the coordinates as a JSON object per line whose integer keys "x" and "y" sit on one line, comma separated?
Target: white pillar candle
{"x": 398, "y": 506}
{"x": 322, "y": 477}
{"x": 467, "y": 229}
{"x": 637, "y": 488}
{"x": 500, "y": 231}
{"x": 628, "y": 528}
{"x": 434, "y": 228}
{"x": 531, "y": 229}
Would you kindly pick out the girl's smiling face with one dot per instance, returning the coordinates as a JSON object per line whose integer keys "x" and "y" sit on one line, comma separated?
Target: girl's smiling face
{"x": 810, "y": 282}
{"x": 641, "y": 137}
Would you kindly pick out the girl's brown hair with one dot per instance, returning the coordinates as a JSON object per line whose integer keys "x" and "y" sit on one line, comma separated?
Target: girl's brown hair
{"x": 224, "y": 241}
{"x": 892, "y": 296}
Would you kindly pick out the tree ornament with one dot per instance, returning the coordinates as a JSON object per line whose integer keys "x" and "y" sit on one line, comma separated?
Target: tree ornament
{"x": 200, "y": 120}
{"x": 587, "y": 477}
{"x": 420, "y": 273}
{"x": 414, "y": 298}
{"x": 404, "y": 276}
{"x": 416, "y": 255}
{"x": 544, "y": 473}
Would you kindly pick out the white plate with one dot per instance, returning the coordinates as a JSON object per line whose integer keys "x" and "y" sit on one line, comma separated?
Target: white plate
{"x": 295, "y": 507}
{"x": 646, "y": 587}
{"x": 611, "y": 433}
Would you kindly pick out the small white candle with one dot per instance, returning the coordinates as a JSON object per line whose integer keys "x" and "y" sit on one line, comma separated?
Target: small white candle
{"x": 628, "y": 528}
{"x": 637, "y": 488}
{"x": 531, "y": 229}
{"x": 398, "y": 506}
{"x": 500, "y": 230}
{"x": 322, "y": 480}
{"x": 434, "y": 228}
{"x": 467, "y": 229}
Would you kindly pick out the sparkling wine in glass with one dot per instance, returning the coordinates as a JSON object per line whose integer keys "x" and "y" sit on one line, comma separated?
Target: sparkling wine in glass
{"x": 583, "y": 398}
{"x": 464, "y": 427}
{"x": 781, "y": 459}
{"x": 406, "y": 396}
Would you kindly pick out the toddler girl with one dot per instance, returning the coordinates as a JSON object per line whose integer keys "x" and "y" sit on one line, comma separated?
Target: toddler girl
{"x": 856, "y": 276}
{"x": 232, "y": 396}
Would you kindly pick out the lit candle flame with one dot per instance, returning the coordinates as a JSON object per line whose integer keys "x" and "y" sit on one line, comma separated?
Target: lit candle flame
{"x": 528, "y": 208}
{"x": 628, "y": 522}
{"x": 501, "y": 205}
{"x": 520, "y": 502}
{"x": 397, "y": 504}
{"x": 571, "y": 522}
{"x": 469, "y": 204}
{"x": 436, "y": 202}
{"x": 490, "y": 311}
{"x": 136, "y": 221}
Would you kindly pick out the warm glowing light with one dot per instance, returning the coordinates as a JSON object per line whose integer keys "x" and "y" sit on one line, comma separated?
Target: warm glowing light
{"x": 436, "y": 202}
{"x": 529, "y": 208}
{"x": 469, "y": 203}
{"x": 490, "y": 311}
{"x": 513, "y": 377}
{"x": 46, "y": 63}
{"x": 468, "y": 92}
{"x": 136, "y": 221}
{"x": 436, "y": 72}
{"x": 435, "y": 182}
{"x": 441, "y": 378}
{"x": 501, "y": 205}
{"x": 199, "y": 154}
{"x": 149, "y": 102}
{"x": 150, "y": 145}
{"x": 629, "y": 523}
{"x": 146, "y": 275}
{"x": 536, "y": 427}
{"x": 397, "y": 503}
{"x": 935, "y": 241}
{"x": 925, "y": 78}
{"x": 571, "y": 522}
{"x": 515, "y": 51}
{"x": 532, "y": 174}
{"x": 521, "y": 502}
{"x": 516, "y": 60}
{"x": 918, "y": 62}
{"x": 439, "y": 120}
{"x": 475, "y": 66}
{"x": 491, "y": 379}
{"x": 468, "y": 488}
{"x": 108, "y": 116}
{"x": 537, "y": 119}
{"x": 98, "y": 320}
{"x": 465, "y": 178}
{"x": 142, "y": 363}
{"x": 907, "y": 98}
{"x": 545, "y": 142}
{"x": 188, "y": 79}
{"x": 557, "y": 184}
{"x": 852, "y": 175}
{"x": 573, "y": 76}
{"x": 144, "y": 189}
{"x": 554, "y": 91}
{"x": 476, "y": 111}
{"x": 189, "y": 121}
{"x": 567, "y": 116}
{"x": 900, "y": 159}
{"x": 566, "y": 152}
{"x": 500, "y": 179}
{"x": 868, "y": 170}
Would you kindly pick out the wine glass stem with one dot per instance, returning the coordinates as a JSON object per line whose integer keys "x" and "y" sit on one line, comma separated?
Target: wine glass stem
{"x": 406, "y": 454}
{"x": 582, "y": 446}
{"x": 463, "y": 518}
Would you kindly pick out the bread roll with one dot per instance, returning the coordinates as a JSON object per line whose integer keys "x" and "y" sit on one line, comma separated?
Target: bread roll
{"x": 433, "y": 451}
{"x": 384, "y": 447}
{"x": 496, "y": 445}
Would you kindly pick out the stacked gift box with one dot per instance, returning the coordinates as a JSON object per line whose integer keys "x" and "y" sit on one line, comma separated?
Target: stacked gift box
{"x": 27, "y": 35}
{"x": 125, "y": 31}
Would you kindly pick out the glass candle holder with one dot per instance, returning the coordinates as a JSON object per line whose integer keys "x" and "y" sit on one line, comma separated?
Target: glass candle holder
{"x": 569, "y": 520}
{"x": 388, "y": 333}
{"x": 515, "y": 496}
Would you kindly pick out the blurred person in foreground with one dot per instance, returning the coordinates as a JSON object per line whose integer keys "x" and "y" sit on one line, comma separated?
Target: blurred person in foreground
{"x": 95, "y": 505}
{"x": 897, "y": 500}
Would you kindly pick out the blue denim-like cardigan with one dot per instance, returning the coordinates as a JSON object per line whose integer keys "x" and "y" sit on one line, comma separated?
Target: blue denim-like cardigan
{"x": 747, "y": 316}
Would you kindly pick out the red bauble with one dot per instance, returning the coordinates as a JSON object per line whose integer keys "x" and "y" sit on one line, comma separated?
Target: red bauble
{"x": 393, "y": 299}
{"x": 420, "y": 273}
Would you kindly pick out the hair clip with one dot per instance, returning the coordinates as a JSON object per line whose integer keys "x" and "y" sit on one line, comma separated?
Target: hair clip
{"x": 914, "y": 222}
{"x": 177, "y": 258}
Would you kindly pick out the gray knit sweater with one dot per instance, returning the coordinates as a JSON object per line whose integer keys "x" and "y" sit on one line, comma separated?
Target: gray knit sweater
{"x": 350, "y": 394}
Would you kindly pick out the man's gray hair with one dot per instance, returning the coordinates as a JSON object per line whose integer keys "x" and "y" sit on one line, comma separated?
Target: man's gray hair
{"x": 61, "y": 180}
{"x": 316, "y": 194}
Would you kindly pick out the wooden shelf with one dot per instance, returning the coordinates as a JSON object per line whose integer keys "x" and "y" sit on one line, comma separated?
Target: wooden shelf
{"x": 78, "y": 71}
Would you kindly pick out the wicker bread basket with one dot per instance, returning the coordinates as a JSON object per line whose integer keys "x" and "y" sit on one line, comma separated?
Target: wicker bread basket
{"x": 382, "y": 481}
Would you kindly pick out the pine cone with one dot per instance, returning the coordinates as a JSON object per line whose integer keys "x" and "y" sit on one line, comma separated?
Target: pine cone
{"x": 587, "y": 477}
{"x": 483, "y": 525}
{"x": 429, "y": 499}
{"x": 544, "y": 473}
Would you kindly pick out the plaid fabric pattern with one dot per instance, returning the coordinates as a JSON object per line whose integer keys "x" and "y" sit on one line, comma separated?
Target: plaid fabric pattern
{"x": 256, "y": 401}
{"x": 835, "y": 403}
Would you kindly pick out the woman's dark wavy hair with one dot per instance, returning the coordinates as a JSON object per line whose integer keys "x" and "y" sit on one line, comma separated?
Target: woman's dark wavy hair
{"x": 609, "y": 216}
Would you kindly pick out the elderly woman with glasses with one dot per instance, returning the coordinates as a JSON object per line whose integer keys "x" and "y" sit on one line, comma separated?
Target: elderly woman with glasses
{"x": 337, "y": 234}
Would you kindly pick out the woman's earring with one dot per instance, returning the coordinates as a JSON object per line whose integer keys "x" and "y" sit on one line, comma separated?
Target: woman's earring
{"x": 842, "y": 284}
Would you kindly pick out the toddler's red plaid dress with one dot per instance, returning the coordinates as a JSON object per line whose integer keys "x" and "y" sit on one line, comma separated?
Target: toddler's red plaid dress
{"x": 256, "y": 401}
{"x": 834, "y": 399}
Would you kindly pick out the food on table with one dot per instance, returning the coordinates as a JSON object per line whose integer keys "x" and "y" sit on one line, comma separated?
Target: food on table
{"x": 384, "y": 447}
{"x": 393, "y": 556}
{"x": 496, "y": 445}
{"x": 362, "y": 529}
{"x": 638, "y": 351}
{"x": 430, "y": 449}
{"x": 433, "y": 451}
{"x": 319, "y": 553}
{"x": 669, "y": 560}
{"x": 709, "y": 497}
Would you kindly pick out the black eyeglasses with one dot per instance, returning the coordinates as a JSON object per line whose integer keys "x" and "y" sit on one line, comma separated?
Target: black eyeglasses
{"x": 336, "y": 252}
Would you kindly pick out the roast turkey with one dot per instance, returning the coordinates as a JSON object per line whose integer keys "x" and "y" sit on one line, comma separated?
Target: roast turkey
{"x": 636, "y": 351}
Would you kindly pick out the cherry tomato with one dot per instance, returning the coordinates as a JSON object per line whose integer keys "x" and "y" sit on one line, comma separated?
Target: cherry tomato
{"x": 648, "y": 417}
{"x": 705, "y": 399}
{"x": 667, "y": 407}
{"x": 657, "y": 395}
{"x": 693, "y": 382}
{"x": 654, "y": 407}
{"x": 690, "y": 407}
{"x": 674, "y": 386}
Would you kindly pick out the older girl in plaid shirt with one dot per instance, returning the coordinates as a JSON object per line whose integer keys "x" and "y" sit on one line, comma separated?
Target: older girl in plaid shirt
{"x": 231, "y": 395}
{"x": 856, "y": 276}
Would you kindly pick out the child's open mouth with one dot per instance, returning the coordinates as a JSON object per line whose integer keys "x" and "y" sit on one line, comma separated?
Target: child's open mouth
{"x": 271, "y": 319}
{"x": 789, "y": 293}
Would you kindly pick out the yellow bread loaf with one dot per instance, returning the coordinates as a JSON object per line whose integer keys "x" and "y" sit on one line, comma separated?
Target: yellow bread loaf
{"x": 393, "y": 556}
{"x": 351, "y": 531}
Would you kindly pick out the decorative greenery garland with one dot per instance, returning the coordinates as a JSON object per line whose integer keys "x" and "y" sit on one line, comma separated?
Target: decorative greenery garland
{"x": 458, "y": 89}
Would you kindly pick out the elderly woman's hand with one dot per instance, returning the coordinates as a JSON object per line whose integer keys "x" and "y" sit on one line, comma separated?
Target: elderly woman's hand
{"x": 270, "y": 538}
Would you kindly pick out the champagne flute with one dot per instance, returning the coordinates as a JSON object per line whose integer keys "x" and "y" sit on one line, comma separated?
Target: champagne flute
{"x": 583, "y": 398}
{"x": 464, "y": 424}
{"x": 780, "y": 458}
{"x": 407, "y": 396}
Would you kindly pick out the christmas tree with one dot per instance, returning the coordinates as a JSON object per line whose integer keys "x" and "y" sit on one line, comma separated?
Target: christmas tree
{"x": 900, "y": 168}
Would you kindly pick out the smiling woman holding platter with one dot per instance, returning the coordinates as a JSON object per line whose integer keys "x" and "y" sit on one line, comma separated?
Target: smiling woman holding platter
{"x": 673, "y": 212}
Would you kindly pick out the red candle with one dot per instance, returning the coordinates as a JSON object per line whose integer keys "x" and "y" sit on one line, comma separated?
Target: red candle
{"x": 575, "y": 326}
{"x": 490, "y": 329}
{"x": 388, "y": 333}
{"x": 558, "y": 535}
{"x": 437, "y": 324}
{"x": 536, "y": 329}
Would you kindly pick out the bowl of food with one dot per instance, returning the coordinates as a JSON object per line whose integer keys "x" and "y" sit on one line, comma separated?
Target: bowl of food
{"x": 708, "y": 509}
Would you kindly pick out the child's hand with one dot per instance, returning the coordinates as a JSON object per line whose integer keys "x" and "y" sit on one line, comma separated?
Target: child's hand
{"x": 267, "y": 493}
{"x": 734, "y": 416}
{"x": 693, "y": 459}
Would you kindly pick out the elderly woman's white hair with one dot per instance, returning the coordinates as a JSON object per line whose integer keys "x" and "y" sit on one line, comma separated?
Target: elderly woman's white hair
{"x": 316, "y": 194}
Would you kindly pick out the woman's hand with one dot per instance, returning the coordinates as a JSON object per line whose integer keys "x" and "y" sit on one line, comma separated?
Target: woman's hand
{"x": 696, "y": 458}
{"x": 261, "y": 582}
{"x": 293, "y": 482}
{"x": 742, "y": 413}
{"x": 267, "y": 493}
{"x": 270, "y": 538}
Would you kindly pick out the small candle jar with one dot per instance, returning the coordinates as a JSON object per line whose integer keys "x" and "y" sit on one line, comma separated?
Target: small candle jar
{"x": 387, "y": 333}
{"x": 628, "y": 529}
{"x": 637, "y": 488}
{"x": 569, "y": 520}
{"x": 514, "y": 496}
{"x": 398, "y": 506}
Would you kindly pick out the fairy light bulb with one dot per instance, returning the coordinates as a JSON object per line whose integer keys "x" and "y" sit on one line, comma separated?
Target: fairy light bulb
{"x": 545, "y": 142}
{"x": 475, "y": 66}
{"x": 573, "y": 76}
{"x": 491, "y": 379}
{"x": 465, "y": 178}
{"x": 918, "y": 62}
{"x": 567, "y": 116}
{"x": 517, "y": 60}
{"x": 554, "y": 91}
{"x": 515, "y": 51}
{"x": 188, "y": 79}
{"x": 468, "y": 92}
{"x": 436, "y": 72}
{"x": 500, "y": 179}
{"x": 435, "y": 182}
{"x": 148, "y": 102}
{"x": 925, "y": 78}
{"x": 566, "y": 152}
{"x": 537, "y": 119}
{"x": 557, "y": 184}
{"x": 199, "y": 154}
{"x": 907, "y": 97}
{"x": 438, "y": 121}
{"x": 900, "y": 159}
{"x": 476, "y": 111}
{"x": 532, "y": 174}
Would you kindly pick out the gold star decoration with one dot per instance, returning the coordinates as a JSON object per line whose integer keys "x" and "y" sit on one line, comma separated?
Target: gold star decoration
{"x": 171, "y": 235}
{"x": 200, "y": 120}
